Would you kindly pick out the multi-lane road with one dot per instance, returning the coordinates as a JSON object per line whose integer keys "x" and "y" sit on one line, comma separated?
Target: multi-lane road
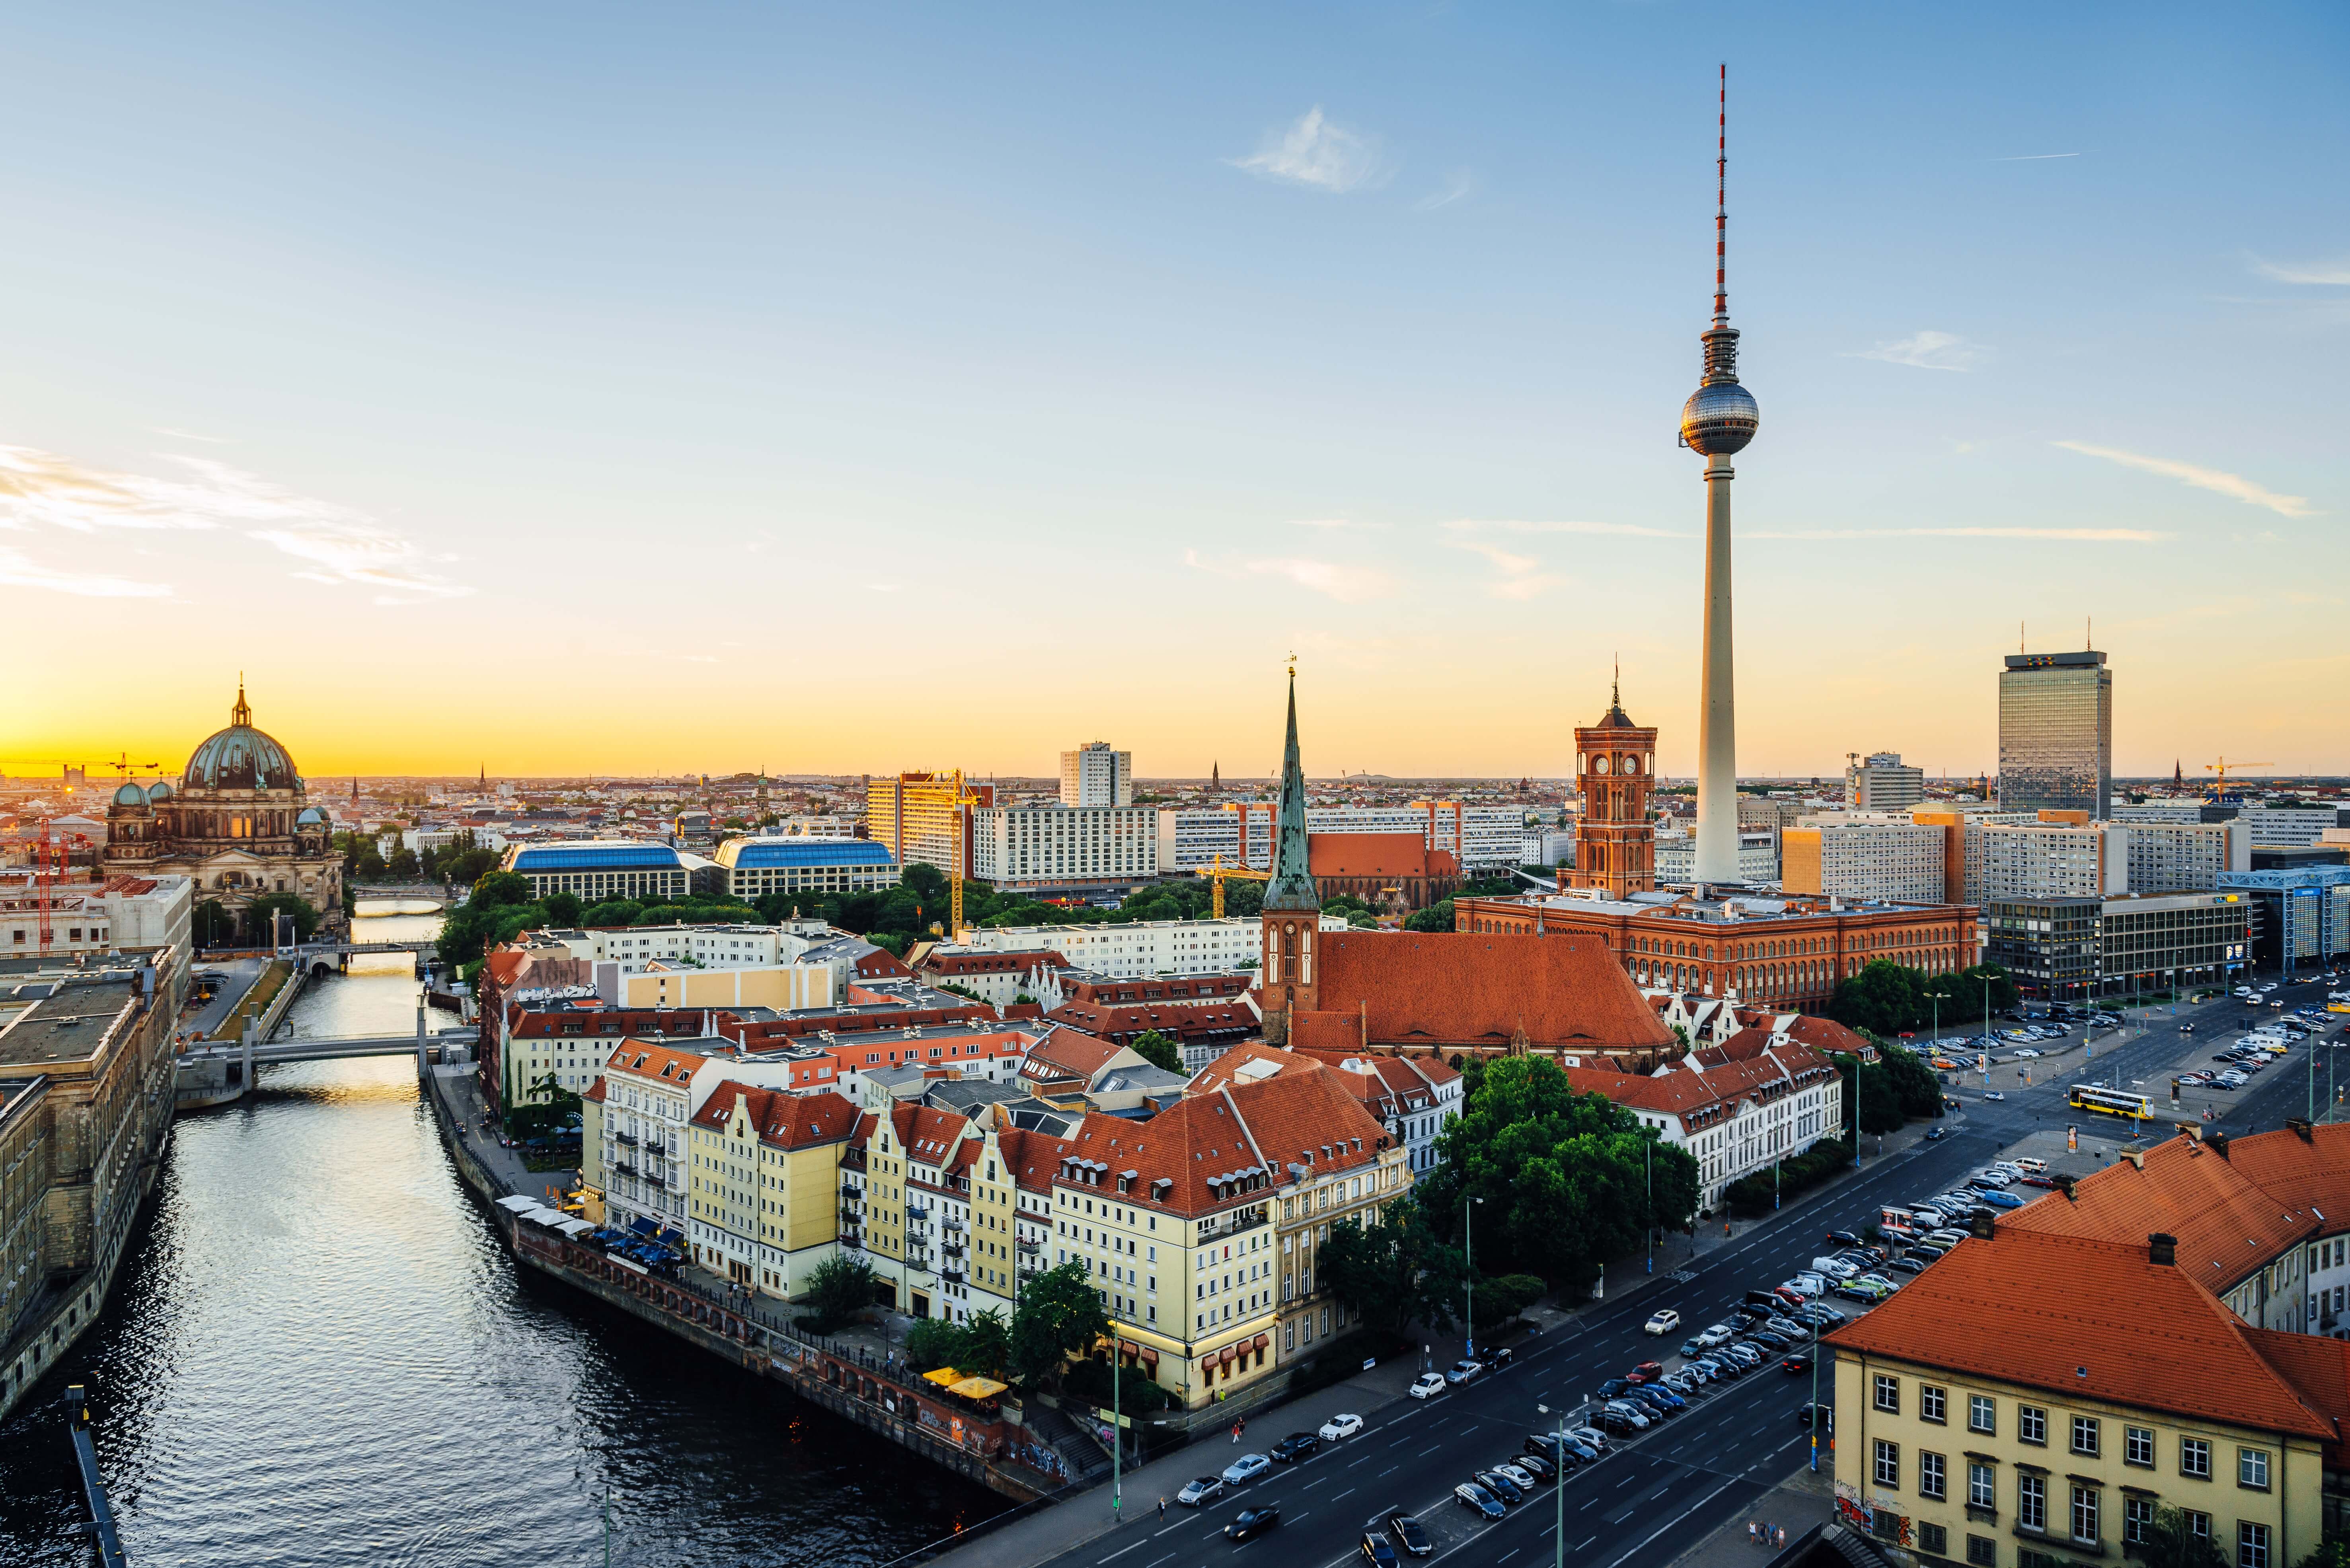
{"x": 1655, "y": 1494}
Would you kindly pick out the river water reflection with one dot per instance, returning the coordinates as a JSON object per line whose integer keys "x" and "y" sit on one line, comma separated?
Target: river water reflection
{"x": 319, "y": 1355}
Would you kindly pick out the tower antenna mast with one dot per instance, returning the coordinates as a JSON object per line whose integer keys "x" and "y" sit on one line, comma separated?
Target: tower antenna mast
{"x": 1722, "y": 204}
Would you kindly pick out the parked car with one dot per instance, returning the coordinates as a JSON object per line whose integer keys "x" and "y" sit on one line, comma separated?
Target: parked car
{"x": 1640, "y": 1420}
{"x": 2002, "y": 1201}
{"x": 1293, "y": 1448}
{"x": 1537, "y": 1466}
{"x": 1823, "y": 1414}
{"x": 1464, "y": 1371}
{"x": 1718, "y": 1334}
{"x": 1406, "y": 1531}
{"x": 1205, "y": 1490}
{"x": 1514, "y": 1470}
{"x": 1426, "y": 1384}
{"x": 1252, "y": 1523}
{"x": 1476, "y": 1498}
{"x": 1339, "y": 1427}
{"x": 1616, "y": 1387}
{"x": 1378, "y": 1550}
{"x": 1247, "y": 1468}
{"x": 1591, "y": 1437}
{"x": 1500, "y": 1485}
{"x": 1646, "y": 1372}
{"x": 1908, "y": 1265}
{"x": 1663, "y": 1322}
{"x": 1843, "y": 1239}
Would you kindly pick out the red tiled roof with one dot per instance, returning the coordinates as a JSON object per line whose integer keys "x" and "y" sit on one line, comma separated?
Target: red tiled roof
{"x": 1255, "y": 1127}
{"x": 1403, "y": 853}
{"x": 1032, "y": 1158}
{"x": 1023, "y": 962}
{"x": 1182, "y": 1020}
{"x": 1224, "y": 1071}
{"x": 2092, "y": 1317}
{"x": 651, "y": 1059}
{"x": 1070, "y": 1052}
{"x": 1478, "y": 989}
{"x": 781, "y": 1120}
{"x": 2227, "y": 1226}
{"x": 2319, "y": 1371}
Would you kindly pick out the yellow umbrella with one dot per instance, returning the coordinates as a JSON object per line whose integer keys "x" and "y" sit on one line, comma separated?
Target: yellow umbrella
{"x": 944, "y": 1376}
{"x": 979, "y": 1388}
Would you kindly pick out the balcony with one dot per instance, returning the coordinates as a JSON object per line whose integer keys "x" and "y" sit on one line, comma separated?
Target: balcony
{"x": 916, "y": 1211}
{"x": 952, "y": 1276}
{"x": 951, "y": 1225}
{"x": 1238, "y": 1225}
{"x": 624, "y": 1168}
{"x": 629, "y": 1138}
{"x": 951, "y": 1251}
{"x": 1029, "y": 1247}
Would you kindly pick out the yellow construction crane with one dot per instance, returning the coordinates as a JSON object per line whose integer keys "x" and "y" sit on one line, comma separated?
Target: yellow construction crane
{"x": 2222, "y": 767}
{"x": 1219, "y": 874}
{"x": 955, "y": 872}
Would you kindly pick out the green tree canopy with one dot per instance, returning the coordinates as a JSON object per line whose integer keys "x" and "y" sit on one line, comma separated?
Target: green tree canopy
{"x": 1159, "y": 1050}
{"x": 838, "y": 1289}
{"x": 300, "y": 919}
{"x": 1059, "y": 1315}
{"x": 1437, "y": 917}
{"x": 1395, "y": 1273}
{"x": 563, "y": 908}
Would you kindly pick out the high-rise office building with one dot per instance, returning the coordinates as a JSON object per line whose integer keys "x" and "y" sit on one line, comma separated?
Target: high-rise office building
{"x": 1093, "y": 774}
{"x": 916, "y": 816}
{"x": 1882, "y": 784}
{"x": 2057, "y": 733}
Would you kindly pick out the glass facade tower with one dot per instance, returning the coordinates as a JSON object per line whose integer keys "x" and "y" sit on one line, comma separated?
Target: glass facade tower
{"x": 2057, "y": 733}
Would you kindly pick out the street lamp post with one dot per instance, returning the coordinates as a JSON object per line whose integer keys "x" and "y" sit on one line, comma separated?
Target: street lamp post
{"x": 1649, "y": 1172}
{"x": 1815, "y": 1398}
{"x": 1558, "y": 1483}
{"x": 1468, "y": 1276}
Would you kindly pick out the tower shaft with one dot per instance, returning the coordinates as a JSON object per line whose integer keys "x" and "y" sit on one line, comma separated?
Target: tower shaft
{"x": 1717, "y": 740}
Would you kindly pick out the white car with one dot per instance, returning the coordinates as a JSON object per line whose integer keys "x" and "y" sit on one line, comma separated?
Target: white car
{"x": 1837, "y": 1268}
{"x": 1339, "y": 1427}
{"x": 1720, "y": 1334}
{"x": 1664, "y": 1322}
{"x": 1427, "y": 1385}
{"x": 1804, "y": 1285}
{"x": 2023, "y": 1055}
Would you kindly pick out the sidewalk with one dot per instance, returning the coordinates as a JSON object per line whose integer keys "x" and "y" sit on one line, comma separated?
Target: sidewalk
{"x": 462, "y": 1093}
{"x": 1794, "y": 1505}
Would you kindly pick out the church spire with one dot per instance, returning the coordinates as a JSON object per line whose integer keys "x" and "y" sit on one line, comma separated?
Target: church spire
{"x": 1292, "y": 887}
{"x": 242, "y": 713}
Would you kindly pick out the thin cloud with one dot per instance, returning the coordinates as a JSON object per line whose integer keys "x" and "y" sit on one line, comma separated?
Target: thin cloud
{"x": 1521, "y": 576}
{"x": 2323, "y": 274}
{"x": 1457, "y": 184}
{"x": 1515, "y": 526}
{"x": 2034, "y": 157}
{"x": 346, "y": 545}
{"x": 2085, "y": 535}
{"x": 1334, "y": 523}
{"x": 1927, "y": 351}
{"x": 1347, "y": 584}
{"x": 1315, "y": 152}
{"x": 18, "y": 570}
{"x": 2213, "y": 479}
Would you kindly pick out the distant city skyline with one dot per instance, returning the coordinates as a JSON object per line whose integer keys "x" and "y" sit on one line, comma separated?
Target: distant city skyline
{"x": 639, "y": 391}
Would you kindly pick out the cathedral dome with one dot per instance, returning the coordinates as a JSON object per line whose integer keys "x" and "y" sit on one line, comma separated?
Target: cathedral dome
{"x": 311, "y": 815}
{"x": 239, "y": 757}
{"x": 159, "y": 791}
{"x": 130, "y": 797}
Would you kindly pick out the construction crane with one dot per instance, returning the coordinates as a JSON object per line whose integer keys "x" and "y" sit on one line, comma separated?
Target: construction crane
{"x": 1219, "y": 874}
{"x": 955, "y": 873}
{"x": 2222, "y": 767}
{"x": 49, "y": 853}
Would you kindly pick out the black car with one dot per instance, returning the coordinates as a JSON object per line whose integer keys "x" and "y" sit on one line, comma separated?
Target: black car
{"x": 1615, "y": 1388}
{"x": 1843, "y": 1239}
{"x": 1823, "y": 1414}
{"x": 1252, "y": 1523}
{"x": 1496, "y": 1356}
{"x": 1908, "y": 1265}
{"x": 1538, "y": 1465}
{"x": 1378, "y": 1550}
{"x": 1500, "y": 1485}
{"x": 1292, "y": 1447}
{"x": 1408, "y": 1532}
{"x": 1614, "y": 1424}
{"x": 1776, "y": 1341}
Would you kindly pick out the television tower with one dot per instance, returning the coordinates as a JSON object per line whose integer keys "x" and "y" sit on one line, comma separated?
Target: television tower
{"x": 1719, "y": 420}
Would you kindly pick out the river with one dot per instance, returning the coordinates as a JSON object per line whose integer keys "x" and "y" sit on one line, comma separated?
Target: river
{"x": 319, "y": 1354}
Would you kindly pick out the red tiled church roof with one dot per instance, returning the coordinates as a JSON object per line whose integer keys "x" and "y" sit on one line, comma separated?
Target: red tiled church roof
{"x": 1459, "y": 988}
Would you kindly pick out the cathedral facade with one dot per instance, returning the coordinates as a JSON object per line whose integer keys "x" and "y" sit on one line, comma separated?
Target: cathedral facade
{"x": 238, "y": 822}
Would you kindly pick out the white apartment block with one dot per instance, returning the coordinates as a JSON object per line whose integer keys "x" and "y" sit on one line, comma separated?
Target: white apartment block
{"x": 1758, "y": 857}
{"x": 2289, "y": 827}
{"x": 1738, "y": 1117}
{"x": 1882, "y": 784}
{"x": 2184, "y": 857}
{"x": 2046, "y": 860}
{"x": 1021, "y": 845}
{"x": 633, "y": 948}
{"x": 1094, "y": 775}
{"x": 1894, "y": 862}
{"x": 1242, "y": 831}
{"x": 1142, "y": 948}
{"x": 1240, "y": 835}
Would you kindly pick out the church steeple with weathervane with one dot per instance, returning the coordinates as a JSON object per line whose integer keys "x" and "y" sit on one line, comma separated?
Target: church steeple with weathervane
{"x": 1293, "y": 904}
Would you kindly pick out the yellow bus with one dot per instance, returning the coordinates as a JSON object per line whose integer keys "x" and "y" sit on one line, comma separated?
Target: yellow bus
{"x": 2123, "y": 1103}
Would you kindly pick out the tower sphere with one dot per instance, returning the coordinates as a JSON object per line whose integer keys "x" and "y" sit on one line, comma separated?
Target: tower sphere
{"x": 1719, "y": 417}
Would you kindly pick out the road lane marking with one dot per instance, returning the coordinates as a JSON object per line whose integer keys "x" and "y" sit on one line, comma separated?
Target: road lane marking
{"x": 1387, "y": 1473}
{"x": 1344, "y": 1495}
{"x": 1425, "y": 1452}
{"x": 1123, "y": 1550}
{"x": 1309, "y": 1486}
{"x": 1172, "y": 1527}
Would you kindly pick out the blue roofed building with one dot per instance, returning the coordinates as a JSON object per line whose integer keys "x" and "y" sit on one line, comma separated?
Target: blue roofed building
{"x": 600, "y": 868}
{"x": 756, "y": 866}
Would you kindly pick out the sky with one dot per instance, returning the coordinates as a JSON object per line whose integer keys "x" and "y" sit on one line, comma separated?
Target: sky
{"x": 623, "y": 389}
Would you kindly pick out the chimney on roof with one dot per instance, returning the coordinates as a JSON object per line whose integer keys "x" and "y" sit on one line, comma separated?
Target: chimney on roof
{"x": 2300, "y": 1130}
{"x": 1981, "y": 1226}
{"x": 2163, "y": 1250}
{"x": 2216, "y": 1142}
{"x": 2137, "y": 1157}
{"x": 2064, "y": 1186}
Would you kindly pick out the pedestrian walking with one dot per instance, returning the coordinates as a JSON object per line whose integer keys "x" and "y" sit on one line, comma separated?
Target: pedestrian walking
{"x": 1162, "y": 1511}
{"x": 1236, "y": 1434}
{"x": 1753, "y": 1535}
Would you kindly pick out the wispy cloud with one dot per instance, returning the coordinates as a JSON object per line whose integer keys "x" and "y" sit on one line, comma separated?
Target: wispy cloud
{"x": 1316, "y": 152}
{"x": 2084, "y": 535}
{"x": 345, "y": 545}
{"x": 1334, "y": 522}
{"x": 1460, "y": 182}
{"x": 1516, "y": 525}
{"x": 2324, "y": 275}
{"x": 18, "y": 570}
{"x": 2034, "y": 157}
{"x": 1347, "y": 584}
{"x": 2211, "y": 478}
{"x": 1521, "y": 576}
{"x": 1927, "y": 351}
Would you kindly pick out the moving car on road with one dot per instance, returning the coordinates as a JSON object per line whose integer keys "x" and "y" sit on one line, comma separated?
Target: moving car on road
{"x": 1664, "y": 1322}
{"x": 1252, "y": 1523}
{"x": 1464, "y": 1371}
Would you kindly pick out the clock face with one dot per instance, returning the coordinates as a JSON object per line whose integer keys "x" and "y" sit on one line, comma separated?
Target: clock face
{"x": 1599, "y": 765}
{"x": 1631, "y": 764}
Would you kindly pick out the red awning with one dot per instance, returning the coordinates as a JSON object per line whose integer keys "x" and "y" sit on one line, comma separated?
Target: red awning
{"x": 1261, "y": 1341}
{"x": 1225, "y": 1355}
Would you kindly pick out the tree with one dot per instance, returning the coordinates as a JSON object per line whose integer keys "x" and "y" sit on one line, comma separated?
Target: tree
{"x": 403, "y": 864}
{"x": 1915, "y": 1087}
{"x": 1395, "y": 1273}
{"x": 1878, "y": 1102}
{"x": 1883, "y": 998}
{"x": 933, "y": 1342}
{"x": 563, "y": 908}
{"x": 986, "y": 1347}
{"x": 1059, "y": 1315}
{"x": 1437, "y": 917}
{"x": 1159, "y": 1050}
{"x": 927, "y": 883}
{"x": 211, "y": 924}
{"x": 838, "y": 1289}
{"x": 300, "y": 919}
{"x": 2170, "y": 1542}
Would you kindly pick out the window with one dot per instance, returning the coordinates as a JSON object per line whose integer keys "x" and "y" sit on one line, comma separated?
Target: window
{"x": 2252, "y": 1467}
{"x": 2085, "y": 1435}
{"x": 2138, "y": 1446}
{"x": 2138, "y": 1518}
{"x": 2199, "y": 1524}
{"x": 1982, "y": 1486}
{"x": 2084, "y": 1513}
{"x": 1982, "y": 1552}
{"x": 1930, "y": 1403}
{"x": 1888, "y": 1463}
{"x": 1888, "y": 1393}
{"x": 1929, "y": 1476}
{"x": 2032, "y": 1502}
{"x": 2195, "y": 1457}
{"x": 1978, "y": 1414}
{"x": 2251, "y": 1545}
{"x": 2031, "y": 1424}
{"x": 1933, "y": 1540}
